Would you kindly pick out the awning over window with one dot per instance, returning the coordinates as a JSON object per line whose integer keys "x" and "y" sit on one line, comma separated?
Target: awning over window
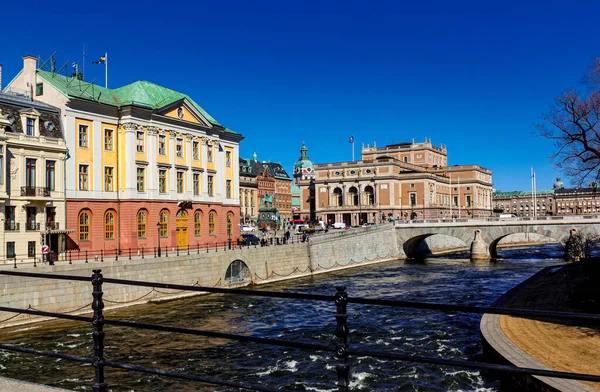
{"x": 63, "y": 231}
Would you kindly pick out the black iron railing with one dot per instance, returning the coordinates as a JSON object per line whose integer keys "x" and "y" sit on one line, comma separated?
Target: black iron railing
{"x": 35, "y": 191}
{"x": 343, "y": 352}
{"x": 11, "y": 226}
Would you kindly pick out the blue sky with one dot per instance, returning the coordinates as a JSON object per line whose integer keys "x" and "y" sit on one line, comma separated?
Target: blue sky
{"x": 473, "y": 75}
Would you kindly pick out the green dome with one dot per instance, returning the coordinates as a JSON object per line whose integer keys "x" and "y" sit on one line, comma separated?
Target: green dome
{"x": 304, "y": 164}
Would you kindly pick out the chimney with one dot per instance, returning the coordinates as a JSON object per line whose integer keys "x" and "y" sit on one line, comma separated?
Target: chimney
{"x": 29, "y": 67}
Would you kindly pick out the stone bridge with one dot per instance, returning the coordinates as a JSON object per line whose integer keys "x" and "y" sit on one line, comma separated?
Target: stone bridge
{"x": 483, "y": 236}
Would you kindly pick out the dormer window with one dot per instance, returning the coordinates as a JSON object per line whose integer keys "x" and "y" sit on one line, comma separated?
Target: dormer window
{"x": 29, "y": 126}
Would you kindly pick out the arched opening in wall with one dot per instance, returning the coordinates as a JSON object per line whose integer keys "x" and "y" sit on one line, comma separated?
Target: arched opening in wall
{"x": 526, "y": 246}
{"x": 414, "y": 216}
{"x": 238, "y": 273}
{"x": 337, "y": 197}
{"x": 369, "y": 195}
{"x": 353, "y": 196}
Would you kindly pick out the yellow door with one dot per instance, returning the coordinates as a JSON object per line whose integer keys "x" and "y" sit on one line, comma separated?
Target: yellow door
{"x": 182, "y": 226}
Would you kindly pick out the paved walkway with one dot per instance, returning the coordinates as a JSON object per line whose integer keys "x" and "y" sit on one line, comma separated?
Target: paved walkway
{"x": 9, "y": 385}
{"x": 493, "y": 334}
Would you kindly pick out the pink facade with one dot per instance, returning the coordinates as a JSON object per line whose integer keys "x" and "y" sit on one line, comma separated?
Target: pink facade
{"x": 98, "y": 231}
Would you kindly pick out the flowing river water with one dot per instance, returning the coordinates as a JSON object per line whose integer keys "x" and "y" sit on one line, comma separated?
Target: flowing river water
{"x": 418, "y": 332}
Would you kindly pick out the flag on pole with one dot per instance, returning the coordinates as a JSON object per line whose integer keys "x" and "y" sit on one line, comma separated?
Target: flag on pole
{"x": 102, "y": 60}
{"x": 351, "y": 139}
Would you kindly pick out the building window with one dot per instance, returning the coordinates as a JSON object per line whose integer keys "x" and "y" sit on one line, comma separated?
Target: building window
{"x": 109, "y": 226}
{"x": 229, "y": 223}
{"x": 83, "y": 177}
{"x": 140, "y": 179}
{"x": 30, "y": 248}
{"x": 83, "y": 136}
{"x": 162, "y": 180}
{"x": 108, "y": 179}
{"x": 9, "y": 216}
{"x": 50, "y": 170}
{"x": 210, "y": 186}
{"x": 196, "y": 184}
{"x": 211, "y": 223}
{"x": 209, "y": 154}
{"x": 30, "y": 173}
{"x": 228, "y": 159}
{"x": 10, "y": 250}
{"x": 195, "y": 153}
{"x": 141, "y": 224}
{"x": 108, "y": 139}
{"x": 179, "y": 182}
{"x": 228, "y": 189}
{"x": 29, "y": 122}
{"x": 163, "y": 224}
{"x": 161, "y": 145}
{"x": 39, "y": 89}
{"x": 179, "y": 148}
{"x": 468, "y": 197}
{"x": 84, "y": 226}
{"x": 413, "y": 199}
{"x": 197, "y": 223}
{"x": 140, "y": 141}
{"x": 31, "y": 214}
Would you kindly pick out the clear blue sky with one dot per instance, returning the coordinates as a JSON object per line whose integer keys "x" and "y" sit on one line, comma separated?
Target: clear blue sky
{"x": 474, "y": 75}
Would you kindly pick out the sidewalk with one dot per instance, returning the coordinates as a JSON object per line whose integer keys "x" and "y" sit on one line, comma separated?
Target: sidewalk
{"x": 10, "y": 385}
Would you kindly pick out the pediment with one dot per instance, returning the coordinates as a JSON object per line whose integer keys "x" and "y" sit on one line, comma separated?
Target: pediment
{"x": 30, "y": 112}
{"x": 184, "y": 110}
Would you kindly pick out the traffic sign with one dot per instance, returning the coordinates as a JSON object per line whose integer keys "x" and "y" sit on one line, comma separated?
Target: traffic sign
{"x": 45, "y": 249}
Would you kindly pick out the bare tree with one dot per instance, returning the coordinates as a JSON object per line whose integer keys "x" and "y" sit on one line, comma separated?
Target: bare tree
{"x": 573, "y": 125}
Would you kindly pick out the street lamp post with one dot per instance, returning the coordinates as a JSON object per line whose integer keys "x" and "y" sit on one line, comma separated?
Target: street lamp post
{"x": 158, "y": 237}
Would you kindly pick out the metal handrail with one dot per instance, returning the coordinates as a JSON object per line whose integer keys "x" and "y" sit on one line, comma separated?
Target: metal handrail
{"x": 342, "y": 349}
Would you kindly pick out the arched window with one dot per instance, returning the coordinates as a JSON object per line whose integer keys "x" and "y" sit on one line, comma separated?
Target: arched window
{"x": 229, "y": 223}
{"x": 211, "y": 223}
{"x": 337, "y": 197}
{"x": 109, "y": 226}
{"x": 197, "y": 223}
{"x": 84, "y": 226}
{"x": 405, "y": 159}
{"x": 164, "y": 220}
{"x": 369, "y": 195}
{"x": 141, "y": 224}
{"x": 353, "y": 196}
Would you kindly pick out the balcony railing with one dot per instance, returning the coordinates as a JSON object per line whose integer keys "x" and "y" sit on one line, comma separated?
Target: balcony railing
{"x": 52, "y": 226}
{"x": 32, "y": 226}
{"x": 11, "y": 226}
{"x": 35, "y": 191}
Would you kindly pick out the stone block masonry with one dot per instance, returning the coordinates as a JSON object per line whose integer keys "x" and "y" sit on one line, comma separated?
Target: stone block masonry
{"x": 323, "y": 253}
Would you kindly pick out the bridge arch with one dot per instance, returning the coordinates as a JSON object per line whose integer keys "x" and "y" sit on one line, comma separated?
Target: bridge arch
{"x": 414, "y": 247}
{"x": 238, "y": 273}
{"x": 493, "y": 246}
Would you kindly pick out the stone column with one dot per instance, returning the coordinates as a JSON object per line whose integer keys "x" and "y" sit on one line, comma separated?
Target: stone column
{"x": 479, "y": 249}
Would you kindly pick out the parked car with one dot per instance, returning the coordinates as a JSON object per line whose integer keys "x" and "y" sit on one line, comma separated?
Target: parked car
{"x": 368, "y": 224}
{"x": 246, "y": 229}
{"x": 249, "y": 239}
{"x": 339, "y": 225}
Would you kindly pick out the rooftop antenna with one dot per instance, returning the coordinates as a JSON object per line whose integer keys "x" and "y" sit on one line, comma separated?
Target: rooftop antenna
{"x": 83, "y": 66}
{"x": 66, "y": 69}
{"x": 50, "y": 59}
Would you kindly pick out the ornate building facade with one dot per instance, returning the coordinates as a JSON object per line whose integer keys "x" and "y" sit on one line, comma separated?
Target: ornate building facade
{"x": 32, "y": 187}
{"x": 147, "y": 165}
{"x": 400, "y": 181}
{"x": 260, "y": 178}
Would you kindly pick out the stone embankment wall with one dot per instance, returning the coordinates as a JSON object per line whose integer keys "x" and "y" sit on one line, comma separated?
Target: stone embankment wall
{"x": 324, "y": 253}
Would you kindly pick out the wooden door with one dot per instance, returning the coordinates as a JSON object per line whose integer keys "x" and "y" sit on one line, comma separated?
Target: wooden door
{"x": 182, "y": 227}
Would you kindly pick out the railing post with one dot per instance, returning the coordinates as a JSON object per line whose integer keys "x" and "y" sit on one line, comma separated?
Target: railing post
{"x": 166, "y": 251}
{"x": 224, "y": 245}
{"x": 70, "y": 258}
{"x": 188, "y": 246}
{"x": 177, "y": 250}
{"x": 207, "y": 247}
{"x": 15, "y": 262}
{"x": 216, "y": 246}
{"x": 198, "y": 247}
{"x": 341, "y": 333}
{"x": 34, "y": 259}
{"x": 98, "y": 334}
{"x": 129, "y": 253}
{"x": 142, "y": 252}
{"x": 116, "y": 254}
{"x": 86, "y": 258}
{"x": 102, "y": 255}
{"x": 155, "y": 252}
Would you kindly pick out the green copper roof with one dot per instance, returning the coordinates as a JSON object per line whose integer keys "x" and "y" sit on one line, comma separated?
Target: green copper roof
{"x": 522, "y": 193}
{"x": 141, "y": 93}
